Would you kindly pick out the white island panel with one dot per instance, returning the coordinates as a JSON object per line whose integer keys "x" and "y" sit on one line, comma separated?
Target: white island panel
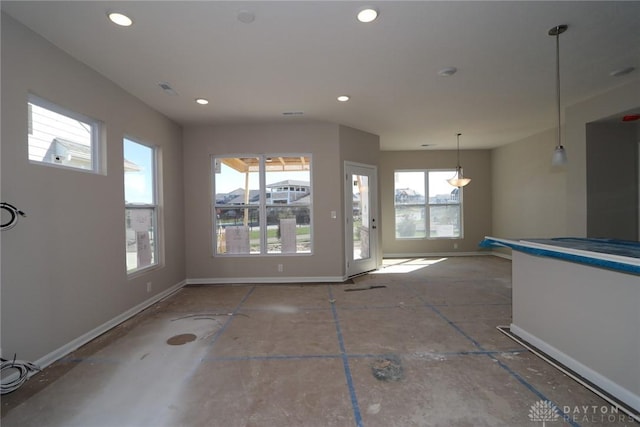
{"x": 585, "y": 317}
{"x": 581, "y": 307}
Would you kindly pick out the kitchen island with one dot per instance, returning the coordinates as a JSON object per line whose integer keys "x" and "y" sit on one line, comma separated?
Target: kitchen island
{"x": 578, "y": 301}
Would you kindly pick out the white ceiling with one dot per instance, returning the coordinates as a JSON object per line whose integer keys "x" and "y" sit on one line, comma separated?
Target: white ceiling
{"x": 299, "y": 56}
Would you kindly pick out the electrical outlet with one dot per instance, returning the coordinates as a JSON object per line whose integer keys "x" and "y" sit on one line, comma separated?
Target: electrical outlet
{"x": 280, "y": 268}
{"x": 148, "y": 286}
{"x": 455, "y": 246}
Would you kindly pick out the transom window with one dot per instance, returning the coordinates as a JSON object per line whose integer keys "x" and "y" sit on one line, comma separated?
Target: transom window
{"x": 262, "y": 204}
{"x": 59, "y": 137}
{"x": 426, "y": 205}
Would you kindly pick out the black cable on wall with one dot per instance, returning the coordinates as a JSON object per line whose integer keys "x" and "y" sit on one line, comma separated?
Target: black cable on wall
{"x": 14, "y": 214}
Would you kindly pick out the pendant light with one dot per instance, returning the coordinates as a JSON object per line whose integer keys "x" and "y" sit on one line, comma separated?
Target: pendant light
{"x": 459, "y": 180}
{"x": 559, "y": 157}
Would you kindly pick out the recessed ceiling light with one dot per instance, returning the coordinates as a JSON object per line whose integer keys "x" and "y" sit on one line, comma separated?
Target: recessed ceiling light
{"x": 367, "y": 15}
{"x": 120, "y": 19}
{"x": 344, "y": 98}
{"x": 202, "y": 101}
{"x": 447, "y": 71}
{"x": 622, "y": 71}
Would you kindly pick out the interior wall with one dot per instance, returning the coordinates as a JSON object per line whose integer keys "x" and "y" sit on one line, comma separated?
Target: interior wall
{"x": 623, "y": 98}
{"x": 612, "y": 180}
{"x": 63, "y": 266}
{"x": 549, "y": 201}
{"x": 360, "y": 147}
{"x": 477, "y": 209}
{"x": 528, "y": 193}
{"x": 319, "y": 139}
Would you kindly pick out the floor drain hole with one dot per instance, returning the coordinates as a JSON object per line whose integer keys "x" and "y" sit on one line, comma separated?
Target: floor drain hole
{"x": 387, "y": 369}
{"x": 181, "y": 339}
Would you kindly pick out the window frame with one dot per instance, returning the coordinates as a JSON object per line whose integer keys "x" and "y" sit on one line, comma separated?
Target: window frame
{"x": 263, "y": 206}
{"x": 156, "y": 220}
{"x": 96, "y": 139}
{"x": 427, "y": 205}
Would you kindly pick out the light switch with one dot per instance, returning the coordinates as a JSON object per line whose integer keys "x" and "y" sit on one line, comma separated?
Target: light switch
{"x": 334, "y": 215}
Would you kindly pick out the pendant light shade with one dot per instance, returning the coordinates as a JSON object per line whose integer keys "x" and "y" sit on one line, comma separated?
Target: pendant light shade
{"x": 458, "y": 179}
{"x": 559, "y": 157}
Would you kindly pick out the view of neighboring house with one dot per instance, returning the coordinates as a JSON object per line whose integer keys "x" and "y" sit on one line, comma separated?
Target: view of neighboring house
{"x": 288, "y": 191}
{"x": 409, "y": 196}
{"x": 284, "y": 192}
{"x": 453, "y": 196}
{"x": 237, "y": 197}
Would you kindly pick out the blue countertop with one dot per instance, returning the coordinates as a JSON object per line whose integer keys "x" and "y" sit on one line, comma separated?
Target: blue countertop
{"x": 618, "y": 255}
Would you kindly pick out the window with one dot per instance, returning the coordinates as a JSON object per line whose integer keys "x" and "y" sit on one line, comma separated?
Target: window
{"x": 426, "y": 205}
{"x": 59, "y": 137}
{"x": 262, "y": 205}
{"x": 141, "y": 209}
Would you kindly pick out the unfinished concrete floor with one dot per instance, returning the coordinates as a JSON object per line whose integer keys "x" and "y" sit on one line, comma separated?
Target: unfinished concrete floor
{"x": 421, "y": 351}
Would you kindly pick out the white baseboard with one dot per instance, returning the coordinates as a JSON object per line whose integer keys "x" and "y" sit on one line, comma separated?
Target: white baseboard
{"x": 502, "y": 255}
{"x": 616, "y": 390}
{"x": 59, "y": 353}
{"x": 264, "y": 280}
{"x": 436, "y": 254}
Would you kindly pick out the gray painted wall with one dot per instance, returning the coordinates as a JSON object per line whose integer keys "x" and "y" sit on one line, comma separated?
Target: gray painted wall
{"x": 612, "y": 180}
{"x": 327, "y": 144}
{"x": 533, "y": 199}
{"x": 63, "y": 266}
{"x": 624, "y": 98}
{"x": 528, "y": 193}
{"x": 361, "y": 147}
{"x": 476, "y": 199}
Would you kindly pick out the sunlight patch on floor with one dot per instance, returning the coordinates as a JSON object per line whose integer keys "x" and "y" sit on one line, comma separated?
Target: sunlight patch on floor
{"x": 406, "y": 265}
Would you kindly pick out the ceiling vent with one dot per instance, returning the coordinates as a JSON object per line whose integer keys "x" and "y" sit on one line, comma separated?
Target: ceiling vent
{"x": 166, "y": 87}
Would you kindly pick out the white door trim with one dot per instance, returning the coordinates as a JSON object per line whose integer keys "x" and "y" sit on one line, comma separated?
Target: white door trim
{"x": 355, "y": 267}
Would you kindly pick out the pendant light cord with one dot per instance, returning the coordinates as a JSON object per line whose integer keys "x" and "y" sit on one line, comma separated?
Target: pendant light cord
{"x": 458, "y": 152}
{"x": 559, "y": 144}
